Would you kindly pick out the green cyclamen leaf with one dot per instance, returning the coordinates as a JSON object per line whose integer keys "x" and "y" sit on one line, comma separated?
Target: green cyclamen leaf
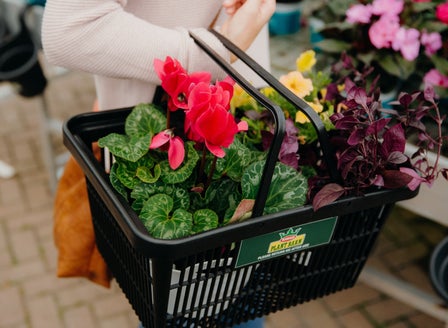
{"x": 116, "y": 183}
{"x": 203, "y": 220}
{"x": 182, "y": 173}
{"x": 131, "y": 149}
{"x": 237, "y": 157}
{"x": 147, "y": 174}
{"x": 221, "y": 195}
{"x": 143, "y": 191}
{"x": 125, "y": 172}
{"x": 160, "y": 223}
{"x": 288, "y": 187}
{"x": 145, "y": 119}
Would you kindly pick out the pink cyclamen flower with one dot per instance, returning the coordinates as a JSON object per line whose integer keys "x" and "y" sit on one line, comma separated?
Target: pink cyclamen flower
{"x": 218, "y": 128}
{"x": 382, "y": 32}
{"x": 176, "y": 149}
{"x": 432, "y": 42}
{"x": 359, "y": 14}
{"x": 387, "y": 7}
{"x": 433, "y": 78}
{"x": 407, "y": 42}
{"x": 416, "y": 179}
{"x": 442, "y": 12}
{"x": 177, "y": 82}
{"x": 204, "y": 96}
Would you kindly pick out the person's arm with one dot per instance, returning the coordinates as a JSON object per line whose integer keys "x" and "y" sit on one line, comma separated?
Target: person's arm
{"x": 99, "y": 37}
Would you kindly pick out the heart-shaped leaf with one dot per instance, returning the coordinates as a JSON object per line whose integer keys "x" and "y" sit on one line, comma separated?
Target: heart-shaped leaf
{"x": 182, "y": 173}
{"x": 237, "y": 157}
{"x": 128, "y": 148}
{"x": 203, "y": 220}
{"x": 288, "y": 187}
{"x": 116, "y": 183}
{"x": 160, "y": 223}
{"x": 143, "y": 191}
{"x": 145, "y": 119}
{"x": 145, "y": 174}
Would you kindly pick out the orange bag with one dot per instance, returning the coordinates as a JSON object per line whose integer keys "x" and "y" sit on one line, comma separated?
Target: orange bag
{"x": 73, "y": 229}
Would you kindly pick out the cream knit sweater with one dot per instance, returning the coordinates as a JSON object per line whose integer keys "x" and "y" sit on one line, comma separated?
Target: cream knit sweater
{"x": 118, "y": 40}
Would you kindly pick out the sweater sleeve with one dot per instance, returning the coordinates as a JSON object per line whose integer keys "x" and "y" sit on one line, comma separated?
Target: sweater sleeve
{"x": 100, "y": 37}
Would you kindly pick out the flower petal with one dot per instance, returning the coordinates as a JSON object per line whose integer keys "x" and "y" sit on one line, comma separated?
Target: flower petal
{"x": 176, "y": 152}
{"x": 159, "y": 139}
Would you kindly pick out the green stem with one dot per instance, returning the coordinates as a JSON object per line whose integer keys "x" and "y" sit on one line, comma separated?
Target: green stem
{"x": 210, "y": 174}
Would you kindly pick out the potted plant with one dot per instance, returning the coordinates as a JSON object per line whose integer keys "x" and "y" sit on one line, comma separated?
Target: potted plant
{"x": 406, "y": 40}
{"x": 183, "y": 174}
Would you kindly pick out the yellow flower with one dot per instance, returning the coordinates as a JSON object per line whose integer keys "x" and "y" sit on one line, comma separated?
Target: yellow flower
{"x": 301, "y": 117}
{"x": 268, "y": 91}
{"x": 241, "y": 98}
{"x": 306, "y": 61}
{"x": 297, "y": 83}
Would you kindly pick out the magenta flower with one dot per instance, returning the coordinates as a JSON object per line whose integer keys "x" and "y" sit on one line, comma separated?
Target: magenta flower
{"x": 432, "y": 42}
{"x": 176, "y": 149}
{"x": 442, "y": 12}
{"x": 177, "y": 82}
{"x": 382, "y": 33}
{"x": 204, "y": 96}
{"x": 387, "y": 7}
{"x": 359, "y": 14}
{"x": 433, "y": 78}
{"x": 217, "y": 126}
{"x": 407, "y": 42}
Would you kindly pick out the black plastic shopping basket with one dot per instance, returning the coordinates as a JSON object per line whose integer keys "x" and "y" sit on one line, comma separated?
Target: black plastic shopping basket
{"x": 236, "y": 273}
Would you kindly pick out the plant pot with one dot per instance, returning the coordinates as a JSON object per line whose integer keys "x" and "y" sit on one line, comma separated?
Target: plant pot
{"x": 286, "y": 18}
{"x": 438, "y": 269}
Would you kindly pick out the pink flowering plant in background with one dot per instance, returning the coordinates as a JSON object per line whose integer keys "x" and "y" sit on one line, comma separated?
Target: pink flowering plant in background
{"x": 406, "y": 39}
{"x": 185, "y": 165}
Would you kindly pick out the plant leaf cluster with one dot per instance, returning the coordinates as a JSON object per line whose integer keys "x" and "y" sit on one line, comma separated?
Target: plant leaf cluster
{"x": 176, "y": 203}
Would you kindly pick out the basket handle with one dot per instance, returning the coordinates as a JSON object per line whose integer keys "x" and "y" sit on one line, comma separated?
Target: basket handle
{"x": 300, "y": 104}
{"x": 279, "y": 120}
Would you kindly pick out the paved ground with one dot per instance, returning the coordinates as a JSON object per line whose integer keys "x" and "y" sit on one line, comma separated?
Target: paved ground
{"x": 32, "y": 297}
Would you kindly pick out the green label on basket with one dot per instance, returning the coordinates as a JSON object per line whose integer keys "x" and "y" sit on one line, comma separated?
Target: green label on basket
{"x": 287, "y": 241}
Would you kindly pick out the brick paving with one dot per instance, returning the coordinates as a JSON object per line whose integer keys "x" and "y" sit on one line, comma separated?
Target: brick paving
{"x": 32, "y": 297}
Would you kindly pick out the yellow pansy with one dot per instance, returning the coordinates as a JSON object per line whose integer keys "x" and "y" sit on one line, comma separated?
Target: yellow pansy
{"x": 240, "y": 98}
{"x": 297, "y": 83}
{"x": 301, "y": 117}
{"x": 306, "y": 61}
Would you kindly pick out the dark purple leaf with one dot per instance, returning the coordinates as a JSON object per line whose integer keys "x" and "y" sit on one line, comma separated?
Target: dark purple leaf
{"x": 405, "y": 99}
{"x": 266, "y": 139}
{"x": 394, "y": 139}
{"x": 346, "y": 123}
{"x": 328, "y": 194}
{"x": 291, "y": 160}
{"x": 445, "y": 173}
{"x": 397, "y": 157}
{"x": 356, "y": 136}
{"x": 395, "y": 179}
{"x": 377, "y": 126}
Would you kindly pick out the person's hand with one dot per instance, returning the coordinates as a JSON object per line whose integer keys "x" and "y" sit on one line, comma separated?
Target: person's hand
{"x": 246, "y": 19}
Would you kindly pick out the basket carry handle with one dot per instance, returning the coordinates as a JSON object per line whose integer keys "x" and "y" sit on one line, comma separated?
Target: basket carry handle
{"x": 279, "y": 118}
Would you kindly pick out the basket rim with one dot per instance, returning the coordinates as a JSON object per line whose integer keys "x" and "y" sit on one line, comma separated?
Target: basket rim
{"x": 82, "y": 129}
